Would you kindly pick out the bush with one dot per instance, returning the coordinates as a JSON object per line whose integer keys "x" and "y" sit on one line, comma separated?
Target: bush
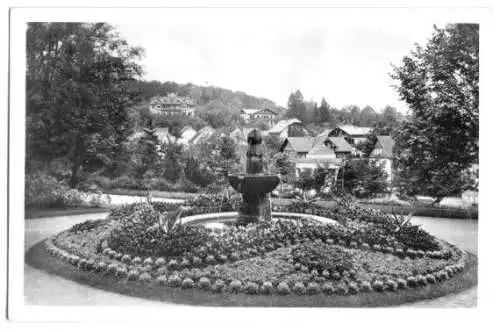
{"x": 299, "y": 288}
{"x": 365, "y": 286}
{"x": 283, "y": 288}
{"x": 145, "y": 277}
{"x": 378, "y": 285}
{"x": 267, "y": 288}
{"x": 133, "y": 275}
{"x": 328, "y": 288}
{"x": 218, "y": 286}
{"x": 313, "y": 288}
{"x": 187, "y": 283}
{"x": 174, "y": 280}
{"x": 235, "y": 286}
{"x": 161, "y": 280}
{"x": 204, "y": 283}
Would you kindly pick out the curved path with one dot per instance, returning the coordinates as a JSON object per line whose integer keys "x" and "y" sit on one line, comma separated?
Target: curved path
{"x": 45, "y": 289}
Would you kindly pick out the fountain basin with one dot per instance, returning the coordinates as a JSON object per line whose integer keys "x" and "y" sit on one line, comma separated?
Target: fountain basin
{"x": 253, "y": 184}
{"x": 220, "y": 220}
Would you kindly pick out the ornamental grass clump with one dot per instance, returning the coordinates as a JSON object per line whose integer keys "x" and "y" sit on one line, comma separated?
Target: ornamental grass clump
{"x": 137, "y": 260}
{"x": 148, "y": 261}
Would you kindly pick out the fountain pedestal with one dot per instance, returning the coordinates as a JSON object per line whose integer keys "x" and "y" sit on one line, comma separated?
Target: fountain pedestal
{"x": 254, "y": 185}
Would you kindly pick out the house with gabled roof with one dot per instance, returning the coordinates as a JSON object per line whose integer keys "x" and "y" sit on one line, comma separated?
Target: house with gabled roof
{"x": 383, "y": 154}
{"x": 297, "y": 147}
{"x": 251, "y": 114}
{"x": 202, "y": 134}
{"x": 288, "y": 128}
{"x": 352, "y": 134}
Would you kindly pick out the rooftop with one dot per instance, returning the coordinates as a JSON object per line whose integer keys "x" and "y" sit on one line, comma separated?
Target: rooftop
{"x": 386, "y": 143}
{"x": 300, "y": 144}
{"x": 340, "y": 144}
{"x": 282, "y": 125}
{"x": 355, "y": 130}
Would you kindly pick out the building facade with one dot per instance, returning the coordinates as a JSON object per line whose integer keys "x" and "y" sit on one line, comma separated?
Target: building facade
{"x": 172, "y": 104}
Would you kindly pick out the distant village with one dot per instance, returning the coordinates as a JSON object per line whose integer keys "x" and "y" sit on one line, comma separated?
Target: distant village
{"x": 328, "y": 149}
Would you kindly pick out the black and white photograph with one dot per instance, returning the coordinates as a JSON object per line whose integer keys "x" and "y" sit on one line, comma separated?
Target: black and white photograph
{"x": 253, "y": 157}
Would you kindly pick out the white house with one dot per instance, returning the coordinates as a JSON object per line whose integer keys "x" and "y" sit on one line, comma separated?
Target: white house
{"x": 352, "y": 134}
{"x": 172, "y": 104}
{"x": 383, "y": 154}
{"x": 249, "y": 115}
{"x": 187, "y": 134}
{"x": 288, "y": 128}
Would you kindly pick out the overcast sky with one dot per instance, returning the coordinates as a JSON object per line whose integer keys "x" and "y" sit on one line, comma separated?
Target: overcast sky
{"x": 342, "y": 55}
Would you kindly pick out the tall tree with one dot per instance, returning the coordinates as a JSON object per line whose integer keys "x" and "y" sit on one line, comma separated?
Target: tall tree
{"x": 323, "y": 112}
{"x": 77, "y": 93}
{"x": 296, "y": 105}
{"x": 438, "y": 144}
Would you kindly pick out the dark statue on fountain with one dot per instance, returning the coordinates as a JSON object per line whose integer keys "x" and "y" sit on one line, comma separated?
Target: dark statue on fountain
{"x": 254, "y": 185}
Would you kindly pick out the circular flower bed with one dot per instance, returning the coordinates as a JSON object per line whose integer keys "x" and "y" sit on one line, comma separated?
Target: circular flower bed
{"x": 366, "y": 251}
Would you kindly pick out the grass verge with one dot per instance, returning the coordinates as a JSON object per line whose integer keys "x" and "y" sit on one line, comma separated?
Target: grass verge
{"x": 39, "y": 258}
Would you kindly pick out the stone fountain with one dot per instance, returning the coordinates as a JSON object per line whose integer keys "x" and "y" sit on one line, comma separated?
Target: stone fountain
{"x": 254, "y": 185}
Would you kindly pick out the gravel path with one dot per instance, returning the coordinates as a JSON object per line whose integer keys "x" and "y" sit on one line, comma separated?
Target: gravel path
{"x": 41, "y": 288}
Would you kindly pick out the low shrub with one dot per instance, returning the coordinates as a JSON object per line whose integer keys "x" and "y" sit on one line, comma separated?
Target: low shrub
{"x": 299, "y": 288}
{"x": 412, "y": 281}
{"x": 328, "y": 288}
{"x": 160, "y": 261}
{"x": 267, "y": 288}
{"x": 365, "y": 287}
{"x": 161, "y": 280}
{"x": 353, "y": 288}
{"x": 430, "y": 279}
{"x": 252, "y": 288}
{"x": 402, "y": 284}
{"x": 313, "y": 288}
{"x": 187, "y": 283}
{"x": 204, "y": 283}
{"x": 133, "y": 275}
{"x": 283, "y": 288}
{"x": 378, "y": 285}
{"x": 145, "y": 277}
{"x": 341, "y": 290}
{"x": 174, "y": 280}
{"x": 218, "y": 286}
{"x": 148, "y": 261}
{"x": 391, "y": 285}
{"x": 235, "y": 286}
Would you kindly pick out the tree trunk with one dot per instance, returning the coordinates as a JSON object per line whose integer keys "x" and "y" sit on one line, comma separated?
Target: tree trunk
{"x": 73, "y": 181}
{"x": 436, "y": 201}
